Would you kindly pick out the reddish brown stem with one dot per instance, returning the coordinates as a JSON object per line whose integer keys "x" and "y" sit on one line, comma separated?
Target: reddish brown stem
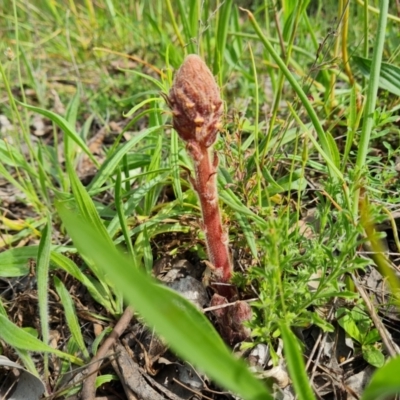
{"x": 206, "y": 188}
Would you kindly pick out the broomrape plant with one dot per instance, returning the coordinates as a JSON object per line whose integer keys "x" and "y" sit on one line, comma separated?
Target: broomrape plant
{"x": 197, "y": 109}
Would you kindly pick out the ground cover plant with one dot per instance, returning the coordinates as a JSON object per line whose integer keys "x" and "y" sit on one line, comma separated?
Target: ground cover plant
{"x": 105, "y": 239}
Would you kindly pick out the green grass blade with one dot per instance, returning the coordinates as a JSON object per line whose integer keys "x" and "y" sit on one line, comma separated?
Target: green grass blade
{"x": 295, "y": 85}
{"x": 121, "y": 217}
{"x": 385, "y": 382}
{"x": 134, "y": 198}
{"x": 143, "y": 242}
{"x": 222, "y": 33}
{"x": 248, "y": 233}
{"x": 180, "y": 323}
{"x": 88, "y": 210}
{"x": 110, "y": 165}
{"x": 174, "y": 23}
{"x": 150, "y": 199}
{"x": 71, "y": 268}
{"x": 85, "y": 204}
{"x": 368, "y": 114}
{"x": 2, "y": 309}
{"x": 43, "y": 262}
{"x": 330, "y": 160}
{"x": 295, "y": 363}
{"x": 185, "y": 18}
{"x": 174, "y": 161}
{"x": 389, "y": 76}
{"x": 70, "y": 316}
{"x": 17, "y": 337}
{"x": 15, "y": 262}
{"x": 28, "y": 361}
{"x": 71, "y": 114}
{"x": 65, "y": 126}
{"x": 140, "y": 105}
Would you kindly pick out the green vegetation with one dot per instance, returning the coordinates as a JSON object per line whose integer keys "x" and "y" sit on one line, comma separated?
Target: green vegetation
{"x": 95, "y": 185}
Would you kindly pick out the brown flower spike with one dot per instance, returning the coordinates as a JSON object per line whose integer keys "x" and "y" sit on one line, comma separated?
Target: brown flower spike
{"x": 197, "y": 109}
{"x": 196, "y": 103}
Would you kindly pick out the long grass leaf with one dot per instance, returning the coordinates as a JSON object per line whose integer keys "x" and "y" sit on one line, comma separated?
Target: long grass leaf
{"x": 71, "y": 268}
{"x": 121, "y": 216}
{"x": 15, "y": 262}
{"x": 296, "y": 365}
{"x": 43, "y": 262}
{"x": 17, "y": 337}
{"x": 222, "y": 33}
{"x": 134, "y": 198}
{"x": 110, "y": 165}
{"x": 65, "y": 126}
{"x": 88, "y": 210}
{"x": 295, "y": 85}
{"x": 174, "y": 161}
{"x": 385, "y": 382}
{"x": 368, "y": 114}
{"x": 70, "y": 316}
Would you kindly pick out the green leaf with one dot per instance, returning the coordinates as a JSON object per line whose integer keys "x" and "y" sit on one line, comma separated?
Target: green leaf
{"x": 88, "y": 211}
{"x": 180, "y": 323}
{"x": 134, "y": 198}
{"x": 43, "y": 262}
{"x": 322, "y": 323}
{"x": 372, "y": 336}
{"x": 346, "y": 321}
{"x": 65, "y": 126}
{"x": 70, "y": 316}
{"x": 295, "y": 363}
{"x": 15, "y": 262}
{"x": 389, "y": 77}
{"x": 72, "y": 109}
{"x": 112, "y": 162}
{"x": 385, "y": 382}
{"x": 71, "y": 268}
{"x": 221, "y": 35}
{"x": 248, "y": 233}
{"x": 174, "y": 161}
{"x": 373, "y": 356}
{"x": 334, "y": 149}
{"x": 17, "y": 337}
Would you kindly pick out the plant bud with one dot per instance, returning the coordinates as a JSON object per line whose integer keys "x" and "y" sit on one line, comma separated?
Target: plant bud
{"x": 195, "y": 102}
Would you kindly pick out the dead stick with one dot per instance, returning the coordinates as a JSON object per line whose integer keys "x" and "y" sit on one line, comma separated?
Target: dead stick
{"x": 390, "y": 345}
{"x": 89, "y": 387}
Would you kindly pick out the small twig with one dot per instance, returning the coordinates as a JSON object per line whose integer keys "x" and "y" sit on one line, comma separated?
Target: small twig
{"x": 226, "y": 305}
{"x": 191, "y": 390}
{"x": 89, "y": 388}
{"x": 391, "y": 346}
{"x": 128, "y": 392}
{"x": 317, "y": 346}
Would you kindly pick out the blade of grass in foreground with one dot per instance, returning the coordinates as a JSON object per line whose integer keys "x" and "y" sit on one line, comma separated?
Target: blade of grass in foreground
{"x": 295, "y": 365}
{"x": 43, "y": 262}
{"x": 17, "y": 337}
{"x": 385, "y": 382}
{"x": 70, "y": 316}
{"x": 181, "y": 324}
